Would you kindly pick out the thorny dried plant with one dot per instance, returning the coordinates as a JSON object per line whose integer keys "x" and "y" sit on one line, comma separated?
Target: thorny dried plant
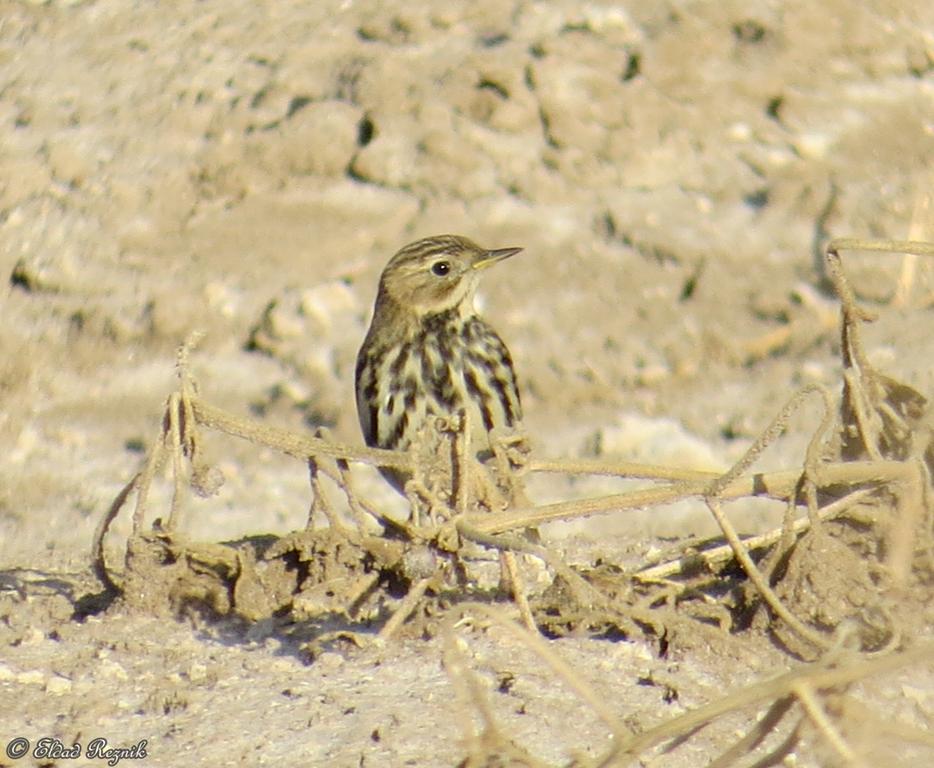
{"x": 864, "y": 486}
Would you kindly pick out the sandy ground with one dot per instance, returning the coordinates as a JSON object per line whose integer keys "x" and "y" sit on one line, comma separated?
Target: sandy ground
{"x": 246, "y": 169}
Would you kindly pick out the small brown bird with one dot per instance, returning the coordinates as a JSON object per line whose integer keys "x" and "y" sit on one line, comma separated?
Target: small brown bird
{"x": 427, "y": 352}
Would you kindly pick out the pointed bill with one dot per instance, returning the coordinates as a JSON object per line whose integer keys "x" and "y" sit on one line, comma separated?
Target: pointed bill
{"x": 492, "y": 257}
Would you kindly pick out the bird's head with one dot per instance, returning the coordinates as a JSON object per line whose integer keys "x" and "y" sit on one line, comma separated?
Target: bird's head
{"x": 437, "y": 274}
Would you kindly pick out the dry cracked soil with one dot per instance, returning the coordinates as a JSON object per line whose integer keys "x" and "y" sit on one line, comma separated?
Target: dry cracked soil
{"x": 245, "y": 169}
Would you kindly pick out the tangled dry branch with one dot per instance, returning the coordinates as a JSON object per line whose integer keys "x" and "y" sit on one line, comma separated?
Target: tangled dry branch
{"x": 868, "y": 463}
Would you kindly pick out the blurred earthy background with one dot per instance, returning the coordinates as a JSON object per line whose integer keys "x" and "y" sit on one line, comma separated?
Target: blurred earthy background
{"x": 247, "y": 168}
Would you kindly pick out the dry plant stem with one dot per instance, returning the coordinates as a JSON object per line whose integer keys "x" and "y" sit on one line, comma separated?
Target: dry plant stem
{"x": 811, "y": 467}
{"x": 344, "y": 481}
{"x": 406, "y": 607}
{"x": 911, "y": 499}
{"x": 412, "y": 532}
{"x": 141, "y": 483}
{"x": 927, "y": 500}
{"x": 517, "y": 584}
{"x": 820, "y": 676}
{"x": 342, "y": 478}
{"x": 866, "y": 418}
{"x": 500, "y": 444}
{"x": 920, "y": 218}
{"x": 805, "y": 632}
{"x": 183, "y": 431}
{"x": 315, "y": 501}
{"x": 365, "y": 588}
{"x": 622, "y": 469}
{"x": 584, "y": 592}
{"x": 462, "y": 492}
{"x": 717, "y": 556}
{"x": 422, "y": 501}
{"x": 856, "y": 365}
{"x": 98, "y": 562}
{"x": 712, "y": 496}
{"x": 917, "y": 247}
{"x": 810, "y": 495}
{"x": 788, "y": 535}
{"x": 188, "y": 414}
{"x": 563, "y": 670}
{"x": 852, "y": 313}
{"x": 184, "y": 352}
{"x": 721, "y": 486}
{"x": 812, "y": 456}
{"x": 356, "y": 509}
{"x": 815, "y": 711}
{"x": 461, "y": 438}
{"x": 175, "y": 441}
{"x": 779, "y": 424}
{"x": 820, "y": 233}
{"x": 470, "y": 693}
{"x": 299, "y": 446}
{"x": 910, "y": 512}
{"x": 320, "y": 501}
{"x": 777, "y": 485}
{"x": 834, "y": 673}
{"x": 153, "y": 465}
{"x": 466, "y": 687}
{"x": 756, "y": 734}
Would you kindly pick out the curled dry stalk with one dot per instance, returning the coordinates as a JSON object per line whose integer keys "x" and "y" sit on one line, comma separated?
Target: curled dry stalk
{"x": 879, "y": 437}
{"x": 179, "y": 440}
{"x": 712, "y": 497}
{"x": 883, "y": 418}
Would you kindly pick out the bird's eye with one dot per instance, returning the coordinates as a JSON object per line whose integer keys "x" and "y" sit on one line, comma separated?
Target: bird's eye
{"x": 441, "y": 268}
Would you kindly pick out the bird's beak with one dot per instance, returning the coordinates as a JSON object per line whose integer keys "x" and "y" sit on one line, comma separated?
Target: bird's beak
{"x": 492, "y": 257}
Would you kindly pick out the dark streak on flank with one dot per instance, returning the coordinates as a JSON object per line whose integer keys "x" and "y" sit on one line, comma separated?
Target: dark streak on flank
{"x": 473, "y": 387}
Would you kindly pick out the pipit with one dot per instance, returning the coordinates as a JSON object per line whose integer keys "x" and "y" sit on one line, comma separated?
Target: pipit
{"x": 429, "y": 354}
